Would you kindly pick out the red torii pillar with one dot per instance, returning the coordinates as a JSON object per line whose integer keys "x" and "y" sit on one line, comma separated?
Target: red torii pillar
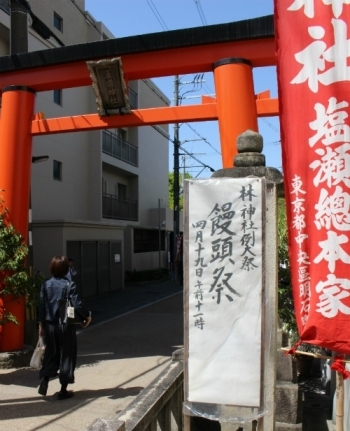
{"x": 16, "y": 153}
{"x": 236, "y": 105}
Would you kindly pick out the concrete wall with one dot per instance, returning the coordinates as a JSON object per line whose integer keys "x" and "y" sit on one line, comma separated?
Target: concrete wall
{"x": 50, "y": 238}
{"x": 146, "y": 261}
{"x": 153, "y": 151}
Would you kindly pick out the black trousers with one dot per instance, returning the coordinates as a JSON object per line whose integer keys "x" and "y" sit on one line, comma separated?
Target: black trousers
{"x": 60, "y": 352}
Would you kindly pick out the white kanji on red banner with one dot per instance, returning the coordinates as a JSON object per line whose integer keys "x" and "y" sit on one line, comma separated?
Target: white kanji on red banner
{"x": 314, "y": 84}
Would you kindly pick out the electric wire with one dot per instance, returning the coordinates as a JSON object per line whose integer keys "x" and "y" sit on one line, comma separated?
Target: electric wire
{"x": 88, "y": 18}
{"x": 270, "y": 125}
{"x": 204, "y": 139}
{"x": 195, "y": 158}
{"x": 200, "y": 12}
{"x": 273, "y": 143}
{"x": 210, "y": 91}
{"x": 165, "y": 135}
{"x": 157, "y": 14}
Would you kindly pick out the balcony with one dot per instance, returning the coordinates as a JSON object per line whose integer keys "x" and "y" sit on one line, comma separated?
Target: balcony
{"x": 118, "y": 148}
{"x": 117, "y": 208}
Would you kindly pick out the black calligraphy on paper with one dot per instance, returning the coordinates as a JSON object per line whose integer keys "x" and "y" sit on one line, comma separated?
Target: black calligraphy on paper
{"x": 216, "y": 242}
{"x": 247, "y": 240}
{"x": 200, "y": 266}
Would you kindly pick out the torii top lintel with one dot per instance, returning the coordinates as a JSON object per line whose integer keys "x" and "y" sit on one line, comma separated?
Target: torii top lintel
{"x": 191, "y": 50}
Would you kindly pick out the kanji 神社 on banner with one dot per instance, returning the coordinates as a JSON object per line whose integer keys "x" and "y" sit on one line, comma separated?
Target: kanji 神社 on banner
{"x": 313, "y": 65}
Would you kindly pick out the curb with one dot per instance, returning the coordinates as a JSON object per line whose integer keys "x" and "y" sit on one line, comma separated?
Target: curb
{"x": 17, "y": 359}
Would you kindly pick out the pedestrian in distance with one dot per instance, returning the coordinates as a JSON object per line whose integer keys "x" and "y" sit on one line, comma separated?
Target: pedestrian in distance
{"x": 71, "y": 271}
{"x": 60, "y": 338}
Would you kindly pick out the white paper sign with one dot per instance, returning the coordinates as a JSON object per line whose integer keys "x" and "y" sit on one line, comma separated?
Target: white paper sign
{"x": 225, "y": 285}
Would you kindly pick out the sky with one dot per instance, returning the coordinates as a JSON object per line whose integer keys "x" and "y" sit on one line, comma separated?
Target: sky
{"x": 134, "y": 17}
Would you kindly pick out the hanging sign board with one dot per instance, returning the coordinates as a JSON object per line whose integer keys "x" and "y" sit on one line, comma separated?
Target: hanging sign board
{"x": 225, "y": 278}
{"x": 313, "y": 39}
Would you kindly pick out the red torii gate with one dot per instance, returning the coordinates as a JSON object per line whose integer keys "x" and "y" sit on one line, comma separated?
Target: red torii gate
{"x": 230, "y": 51}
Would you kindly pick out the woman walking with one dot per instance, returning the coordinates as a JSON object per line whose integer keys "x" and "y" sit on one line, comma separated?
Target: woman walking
{"x": 60, "y": 339}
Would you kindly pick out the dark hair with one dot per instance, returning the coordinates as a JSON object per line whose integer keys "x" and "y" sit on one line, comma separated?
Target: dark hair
{"x": 59, "y": 266}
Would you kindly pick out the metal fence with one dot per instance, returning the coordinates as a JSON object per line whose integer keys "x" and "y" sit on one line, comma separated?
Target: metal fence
{"x": 117, "y": 208}
{"x": 117, "y": 147}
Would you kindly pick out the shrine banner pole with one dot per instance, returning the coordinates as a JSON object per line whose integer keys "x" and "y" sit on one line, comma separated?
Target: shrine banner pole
{"x": 339, "y": 418}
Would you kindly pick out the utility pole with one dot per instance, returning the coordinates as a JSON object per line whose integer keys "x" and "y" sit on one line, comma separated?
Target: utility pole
{"x": 176, "y": 176}
{"x": 19, "y": 26}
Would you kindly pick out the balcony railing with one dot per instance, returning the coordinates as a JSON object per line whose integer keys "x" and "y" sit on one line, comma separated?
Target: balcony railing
{"x": 118, "y": 148}
{"x": 119, "y": 209}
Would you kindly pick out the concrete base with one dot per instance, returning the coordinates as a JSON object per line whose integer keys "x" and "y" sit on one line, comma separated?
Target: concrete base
{"x": 288, "y": 427}
{"x": 17, "y": 359}
{"x": 288, "y": 403}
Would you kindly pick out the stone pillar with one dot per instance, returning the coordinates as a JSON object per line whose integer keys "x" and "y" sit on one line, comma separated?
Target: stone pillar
{"x": 250, "y": 162}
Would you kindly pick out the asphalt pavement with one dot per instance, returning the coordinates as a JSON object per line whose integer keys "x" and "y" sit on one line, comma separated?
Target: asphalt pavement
{"x": 130, "y": 341}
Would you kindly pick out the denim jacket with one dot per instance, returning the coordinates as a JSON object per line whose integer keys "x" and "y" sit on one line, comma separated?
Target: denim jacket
{"x": 52, "y": 290}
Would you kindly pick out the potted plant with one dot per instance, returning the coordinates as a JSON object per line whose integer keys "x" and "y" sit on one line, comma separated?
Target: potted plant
{"x": 17, "y": 286}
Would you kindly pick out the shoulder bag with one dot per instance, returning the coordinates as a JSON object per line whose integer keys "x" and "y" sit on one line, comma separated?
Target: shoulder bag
{"x": 68, "y": 314}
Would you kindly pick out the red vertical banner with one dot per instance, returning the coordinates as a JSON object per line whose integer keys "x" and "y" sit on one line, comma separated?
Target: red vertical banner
{"x": 313, "y": 67}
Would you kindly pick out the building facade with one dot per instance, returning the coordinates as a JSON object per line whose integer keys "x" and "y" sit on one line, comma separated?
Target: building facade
{"x": 102, "y": 197}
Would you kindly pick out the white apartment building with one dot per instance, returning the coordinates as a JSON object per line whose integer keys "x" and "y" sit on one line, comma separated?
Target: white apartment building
{"x": 100, "y": 196}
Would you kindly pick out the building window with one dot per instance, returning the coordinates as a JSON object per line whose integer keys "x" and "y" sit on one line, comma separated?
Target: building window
{"x": 148, "y": 240}
{"x": 57, "y": 170}
{"x": 57, "y": 97}
{"x": 58, "y": 22}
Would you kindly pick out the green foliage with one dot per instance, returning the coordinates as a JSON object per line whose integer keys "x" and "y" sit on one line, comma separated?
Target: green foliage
{"x": 15, "y": 278}
{"x": 171, "y": 189}
{"x": 285, "y": 294}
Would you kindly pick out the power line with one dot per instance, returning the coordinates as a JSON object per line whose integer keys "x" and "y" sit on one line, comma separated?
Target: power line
{"x": 200, "y": 12}
{"x": 270, "y": 125}
{"x": 204, "y": 139}
{"x": 88, "y": 18}
{"x": 274, "y": 143}
{"x": 157, "y": 14}
{"x": 165, "y": 135}
{"x": 197, "y": 85}
{"x": 195, "y": 158}
{"x": 209, "y": 89}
